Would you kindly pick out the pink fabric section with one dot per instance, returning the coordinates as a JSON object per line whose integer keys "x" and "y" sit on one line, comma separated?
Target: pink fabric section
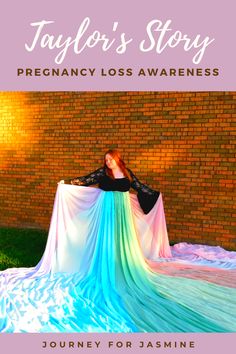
{"x": 213, "y": 253}
{"x": 151, "y": 229}
{"x": 223, "y": 277}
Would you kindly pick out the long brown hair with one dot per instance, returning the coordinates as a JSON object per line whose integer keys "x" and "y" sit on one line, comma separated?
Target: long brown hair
{"x": 117, "y": 157}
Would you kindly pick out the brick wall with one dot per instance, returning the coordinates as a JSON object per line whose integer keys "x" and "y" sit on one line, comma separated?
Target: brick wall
{"x": 181, "y": 143}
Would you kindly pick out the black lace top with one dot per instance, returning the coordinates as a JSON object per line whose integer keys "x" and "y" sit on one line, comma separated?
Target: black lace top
{"x": 147, "y": 197}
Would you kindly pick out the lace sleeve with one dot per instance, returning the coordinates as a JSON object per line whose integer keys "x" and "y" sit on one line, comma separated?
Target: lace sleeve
{"x": 147, "y": 197}
{"x": 90, "y": 179}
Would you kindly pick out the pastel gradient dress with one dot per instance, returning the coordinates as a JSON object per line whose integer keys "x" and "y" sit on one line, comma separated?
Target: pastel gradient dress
{"x": 108, "y": 267}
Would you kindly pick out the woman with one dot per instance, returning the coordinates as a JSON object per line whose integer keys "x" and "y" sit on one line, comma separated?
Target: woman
{"x": 102, "y": 272}
{"x": 114, "y": 176}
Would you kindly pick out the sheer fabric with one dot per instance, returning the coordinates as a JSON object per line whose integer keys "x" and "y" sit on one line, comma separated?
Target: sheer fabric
{"x": 108, "y": 267}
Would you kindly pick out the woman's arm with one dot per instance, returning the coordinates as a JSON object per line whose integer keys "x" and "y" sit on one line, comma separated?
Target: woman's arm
{"x": 90, "y": 179}
{"x": 147, "y": 197}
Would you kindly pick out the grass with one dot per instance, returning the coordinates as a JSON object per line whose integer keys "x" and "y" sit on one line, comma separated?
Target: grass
{"x": 21, "y": 247}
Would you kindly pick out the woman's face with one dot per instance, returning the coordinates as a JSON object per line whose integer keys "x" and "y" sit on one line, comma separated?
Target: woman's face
{"x": 110, "y": 162}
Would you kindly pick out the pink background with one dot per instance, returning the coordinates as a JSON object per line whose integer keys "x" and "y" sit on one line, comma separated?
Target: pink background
{"x": 212, "y": 18}
{"x": 204, "y": 343}
{"x": 207, "y": 18}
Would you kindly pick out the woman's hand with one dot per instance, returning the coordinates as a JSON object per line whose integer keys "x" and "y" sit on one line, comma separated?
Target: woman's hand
{"x": 76, "y": 182}
{"x": 61, "y": 182}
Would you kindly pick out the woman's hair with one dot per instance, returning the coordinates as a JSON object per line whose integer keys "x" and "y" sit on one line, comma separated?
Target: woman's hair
{"x": 117, "y": 157}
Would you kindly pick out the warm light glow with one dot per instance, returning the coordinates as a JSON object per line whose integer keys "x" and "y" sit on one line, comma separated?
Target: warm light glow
{"x": 163, "y": 158}
{"x": 12, "y": 128}
{"x": 16, "y": 125}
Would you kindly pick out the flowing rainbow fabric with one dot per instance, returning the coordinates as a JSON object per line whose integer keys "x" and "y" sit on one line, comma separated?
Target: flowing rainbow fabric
{"x": 107, "y": 267}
